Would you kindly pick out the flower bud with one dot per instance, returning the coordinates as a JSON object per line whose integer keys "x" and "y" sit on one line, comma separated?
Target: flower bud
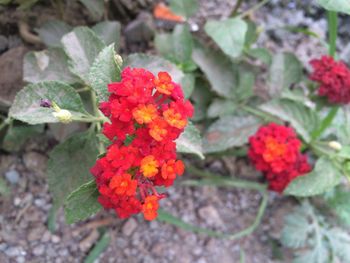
{"x": 63, "y": 116}
{"x": 118, "y": 60}
{"x": 335, "y": 145}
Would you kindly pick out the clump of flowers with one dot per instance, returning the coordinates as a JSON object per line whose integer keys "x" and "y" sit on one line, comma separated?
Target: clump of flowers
{"x": 147, "y": 113}
{"x": 275, "y": 151}
{"x": 334, "y": 79}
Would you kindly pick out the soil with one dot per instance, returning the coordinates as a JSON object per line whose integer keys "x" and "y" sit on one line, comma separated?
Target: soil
{"x": 24, "y": 233}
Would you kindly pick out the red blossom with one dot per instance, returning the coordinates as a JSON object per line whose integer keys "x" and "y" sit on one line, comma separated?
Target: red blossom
{"x": 275, "y": 151}
{"x": 152, "y": 113}
{"x": 333, "y": 78}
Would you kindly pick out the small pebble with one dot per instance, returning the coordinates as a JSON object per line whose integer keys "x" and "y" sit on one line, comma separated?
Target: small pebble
{"x": 12, "y": 176}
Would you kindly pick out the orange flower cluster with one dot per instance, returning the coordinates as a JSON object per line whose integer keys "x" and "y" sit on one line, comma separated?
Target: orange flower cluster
{"x": 147, "y": 114}
{"x": 275, "y": 150}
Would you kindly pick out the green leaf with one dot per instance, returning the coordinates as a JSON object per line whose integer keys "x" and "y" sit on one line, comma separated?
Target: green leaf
{"x": 156, "y": 64}
{"x": 109, "y": 32}
{"x": 229, "y": 131}
{"x": 4, "y": 188}
{"x": 246, "y": 80}
{"x": 26, "y": 106}
{"x": 228, "y": 34}
{"x": 340, "y": 244}
{"x": 190, "y": 141}
{"x": 51, "y": 64}
{"x": 188, "y": 84}
{"x": 251, "y": 35}
{"x": 284, "y": 71}
{"x": 17, "y": 135}
{"x": 184, "y": 8}
{"x": 303, "y": 119}
{"x": 82, "y": 203}
{"x": 342, "y": 6}
{"x": 103, "y": 71}
{"x": 218, "y": 70}
{"x": 341, "y": 205}
{"x": 322, "y": 178}
{"x": 262, "y": 54}
{"x": 52, "y": 31}
{"x": 95, "y": 7}
{"x": 82, "y": 47}
{"x": 69, "y": 165}
{"x": 221, "y": 107}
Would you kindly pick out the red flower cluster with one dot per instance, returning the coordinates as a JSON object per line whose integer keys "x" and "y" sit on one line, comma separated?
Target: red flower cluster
{"x": 147, "y": 114}
{"x": 275, "y": 150}
{"x": 334, "y": 79}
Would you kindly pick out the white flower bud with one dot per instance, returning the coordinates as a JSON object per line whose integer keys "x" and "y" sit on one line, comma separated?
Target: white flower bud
{"x": 335, "y": 145}
{"x": 63, "y": 116}
{"x": 118, "y": 60}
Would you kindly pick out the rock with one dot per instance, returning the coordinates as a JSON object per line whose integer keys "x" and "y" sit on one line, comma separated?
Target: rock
{"x": 55, "y": 239}
{"x": 11, "y": 74}
{"x": 20, "y": 259}
{"x": 36, "y": 233}
{"x": 46, "y": 236}
{"x": 3, "y": 258}
{"x": 12, "y": 176}
{"x": 129, "y": 227}
{"x": 210, "y": 215}
{"x": 35, "y": 162}
{"x": 3, "y": 43}
{"x": 39, "y": 250}
{"x": 13, "y": 251}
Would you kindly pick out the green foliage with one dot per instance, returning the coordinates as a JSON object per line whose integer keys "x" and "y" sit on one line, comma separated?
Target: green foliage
{"x": 228, "y": 34}
{"x": 229, "y": 131}
{"x": 342, "y": 6}
{"x": 103, "y": 71}
{"x": 284, "y": 71}
{"x": 4, "y": 188}
{"x": 316, "y": 240}
{"x": 50, "y": 64}
{"x": 82, "y": 46}
{"x": 303, "y": 119}
{"x": 69, "y": 166}
{"x": 184, "y": 8}
{"x": 82, "y": 203}
{"x": 52, "y": 31}
{"x": 95, "y": 7}
{"x": 190, "y": 141}
{"x": 221, "y": 107}
{"x": 262, "y": 54}
{"x": 339, "y": 201}
{"x": 17, "y": 135}
{"x": 108, "y": 32}
{"x": 99, "y": 248}
{"x": 322, "y": 178}
{"x": 26, "y": 106}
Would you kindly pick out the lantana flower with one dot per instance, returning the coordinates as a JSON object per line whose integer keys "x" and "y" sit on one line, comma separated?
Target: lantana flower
{"x": 151, "y": 112}
{"x": 275, "y": 151}
{"x": 333, "y": 78}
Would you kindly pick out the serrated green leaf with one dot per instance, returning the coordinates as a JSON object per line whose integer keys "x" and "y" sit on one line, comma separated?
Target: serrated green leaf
{"x": 50, "y": 64}
{"x": 52, "y": 31}
{"x": 285, "y": 70}
{"x": 342, "y": 6}
{"x": 322, "y": 178}
{"x": 95, "y": 7}
{"x": 218, "y": 70}
{"x": 340, "y": 244}
{"x": 228, "y": 34}
{"x": 17, "y": 135}
{"x": 341, "y": 205}
{"x": 82, "y": 47}
{"x": 69, "y": 165}
{"x": 26, "y": 106}
{"x": 262, "y": 54}
{"x": 303, "y": 119}
{"x": 184, "y": 8}
{"x": 82, "y": 203}
{"x": 103, "y": 71}
{"x": 190, "y": 141}
{"x": 229, "y": 131}
{"x": 221, "y": 107}
{"x": 109, "y": 32}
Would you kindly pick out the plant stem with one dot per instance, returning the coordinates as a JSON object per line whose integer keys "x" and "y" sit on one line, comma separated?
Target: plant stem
{"x": 261, "y": 114}
{"x": 83, "y": 89}
{"x": 325, "y": 122}
{"x": 236, "y": 8}
{"x": 89, "y": 119}
{"x": 332, "y": 32}
{"x": 7, "y": 121}
{"x": 253, "y": 8}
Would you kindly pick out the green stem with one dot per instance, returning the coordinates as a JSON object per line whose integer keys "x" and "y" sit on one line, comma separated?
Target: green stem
{"x": 332, "y": 31}
{"x": 253, "y": 8}
{"x": 325, "y": 123}
{"x": 236, "y": 8}
{"x": 83, "y": 89}
{"x": 6, "y": 122}
{"x": 261, "y": 114}
{"x": 89, "y": 119}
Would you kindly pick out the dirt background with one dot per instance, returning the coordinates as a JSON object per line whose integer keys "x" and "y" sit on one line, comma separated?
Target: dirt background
{"x": 24, "y": 234}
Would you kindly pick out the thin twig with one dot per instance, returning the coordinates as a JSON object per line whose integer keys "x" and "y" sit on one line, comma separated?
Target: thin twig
{"x": 28, "y": 36}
